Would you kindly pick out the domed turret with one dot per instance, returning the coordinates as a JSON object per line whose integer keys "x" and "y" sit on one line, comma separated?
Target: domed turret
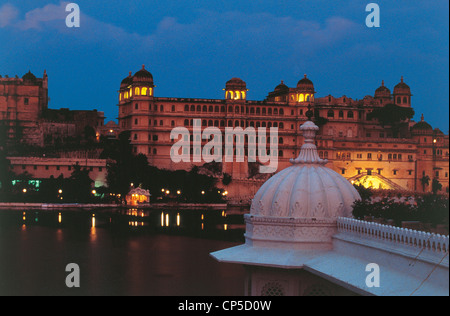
{"x": 236, "y": 89}
{"x": 383, "y": 93}
{"x": 301, "y": 204}
{"x": 422, "y": 128}
{"x": 402, "y": 94}
{"x": 305, "y": 90}
{"x": 143, "y": 75}
{"x": 29, "y": 76}
{"x": 126, "y": 81}
{"x": 281, "y": 87}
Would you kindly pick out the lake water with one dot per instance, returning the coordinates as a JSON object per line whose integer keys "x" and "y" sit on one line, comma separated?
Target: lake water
{"x": 128, "y": 253}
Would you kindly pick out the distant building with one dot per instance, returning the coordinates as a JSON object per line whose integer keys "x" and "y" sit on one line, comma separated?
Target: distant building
{"x": 46, "y": 168}
{"x": 22, "y": 102}
{"x": 26, "y": 118}
{"x": 358, "y": 148}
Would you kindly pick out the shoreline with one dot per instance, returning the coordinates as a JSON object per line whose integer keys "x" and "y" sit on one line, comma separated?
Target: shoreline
{"x": 91, "y": 206}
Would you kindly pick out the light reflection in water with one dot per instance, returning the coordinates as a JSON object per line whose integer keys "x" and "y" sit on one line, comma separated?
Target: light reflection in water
{"x": 178, "y": 219}
{"x": 59, "y": 218}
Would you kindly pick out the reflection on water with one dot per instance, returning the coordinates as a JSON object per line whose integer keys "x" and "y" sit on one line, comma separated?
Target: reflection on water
{"x": 129, "y": 252}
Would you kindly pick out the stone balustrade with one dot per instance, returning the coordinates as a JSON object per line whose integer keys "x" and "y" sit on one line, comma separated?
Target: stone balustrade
{"x": 413, "y": 238}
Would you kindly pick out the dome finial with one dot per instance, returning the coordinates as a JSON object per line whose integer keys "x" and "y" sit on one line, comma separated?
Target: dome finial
{"x": 401, "y": 79}
{"x": 304, "y": 76}
{"x": 143, "y": 67}
{"x": 382, "y": 83}
{"x": 308, "y": 151}
{"x": 282, "y": 82}
{"x": 422, "y": 119}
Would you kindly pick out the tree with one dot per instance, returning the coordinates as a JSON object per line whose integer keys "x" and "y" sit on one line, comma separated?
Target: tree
{"x": 392, "y": 115}
{"x": 226, "y": 179}
{"x": 80, "y": 184}
{"x": 5, "y": 173}
{"x": 436, "y": 186}
{"x": 425, "y": 180}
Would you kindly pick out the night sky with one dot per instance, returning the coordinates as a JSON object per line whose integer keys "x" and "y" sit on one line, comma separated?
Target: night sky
{"x": 193, "y": 47}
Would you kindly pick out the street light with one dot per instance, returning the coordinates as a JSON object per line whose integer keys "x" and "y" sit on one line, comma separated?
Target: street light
{"x": 60, "y": 191}
{"x": 94, "y": 192}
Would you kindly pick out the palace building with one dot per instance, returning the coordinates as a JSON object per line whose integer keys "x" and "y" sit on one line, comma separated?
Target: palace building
{"x": 357, "y": 147}
{"x": 26, "y": 118}
{"x": 22, "y": 102}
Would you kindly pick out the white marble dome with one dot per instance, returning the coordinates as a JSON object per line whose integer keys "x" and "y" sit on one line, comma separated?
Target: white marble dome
{"x": 307, "y": 189}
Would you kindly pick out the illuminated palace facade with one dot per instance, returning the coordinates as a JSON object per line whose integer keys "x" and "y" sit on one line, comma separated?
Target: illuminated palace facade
{"x": 360, "y": 149}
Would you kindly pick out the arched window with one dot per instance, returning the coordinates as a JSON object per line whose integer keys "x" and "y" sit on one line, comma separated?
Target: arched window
{"x": 236, "y": 110}
{"x": 210, "y": 123}
{"x": 399, "y": 100}
{"x": 330, "y": 113}
{"x": 151, "y": 94}
{"x": 136, "y": 91}
{"x": 199, "y": 108}
{"x": 211, "y": 109}
{"x": 252, "y": 110}
{"x": 222, "y": 109}
{"x": 205, "y": 108}
{"x": 341, "y": 114}
{"x": 230, "y": 109}
{"x": 281, "y": 112}
{"x": 126, "y": 95}
{"x": 280, "y": 140}
{"x": 281, "y": 125}
{"x": 161, "y": 108}
{"x": 186, "y": 122}
{"x": 264, "y": 111}
{"x": 238, "y": 95}
{"x": 301, "y": 98}
{"x": 216, "y": 108}
{"x": 186, "y": 108}
{"x": 269, "y": 111}
{"x": 405, "y": 100}
{"x": 275, "y": 112}
{"x": 144, "y": 91}
{"x": 192, "y": 108}
{"x": 350, "y": 114}
{"x": 307, "y": 97}
{"x": 216, "y": 123}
